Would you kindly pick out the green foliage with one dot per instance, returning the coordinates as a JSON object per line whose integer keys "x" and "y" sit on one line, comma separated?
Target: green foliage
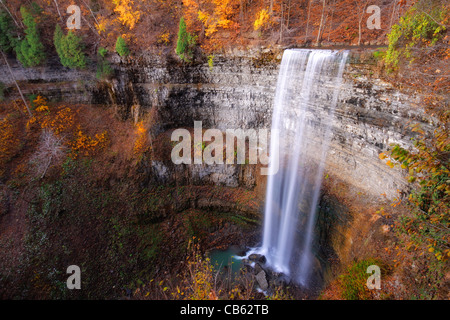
{"x": 185, "y": 43}
{"x": 121, "y": 47}
{"x": 8, "y": 37}
{"x": 427, "y": 165}
{"x": 104, "y": 69}
{"x": 102, "y": 52}
{"x": 70, "y": 49}
{"x": 415, "y": 28}
{"x": 354, "y": 281}
{"x": 211, "y": 62}
{"x": 379, "y": 54}
{"x": 30, "y": 51}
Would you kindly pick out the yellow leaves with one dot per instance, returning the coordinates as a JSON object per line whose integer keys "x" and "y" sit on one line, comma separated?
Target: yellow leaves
{"x": 164, "y": 38}
{"x": 382, "y": 156}
{"x": 262, "y": 20}
{"x": 102, "y": 25}
{"x": 127, "y": 15}
{"x": 203, "y": 17}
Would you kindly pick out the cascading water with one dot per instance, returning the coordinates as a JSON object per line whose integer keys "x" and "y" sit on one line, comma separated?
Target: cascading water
{"x": 307, "y": 78}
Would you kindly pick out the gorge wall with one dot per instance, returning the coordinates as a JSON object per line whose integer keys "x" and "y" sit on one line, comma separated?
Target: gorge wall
{"x": 237, "y": 92}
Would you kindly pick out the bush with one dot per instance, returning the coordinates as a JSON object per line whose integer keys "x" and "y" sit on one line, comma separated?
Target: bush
{"x": 30, "y": 51}
{"x": 69, "y": 48}
{"x": 121, "y": 47}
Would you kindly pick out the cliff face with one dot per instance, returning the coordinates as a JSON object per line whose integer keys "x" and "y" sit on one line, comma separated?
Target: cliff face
{"x": 238, "y": 92}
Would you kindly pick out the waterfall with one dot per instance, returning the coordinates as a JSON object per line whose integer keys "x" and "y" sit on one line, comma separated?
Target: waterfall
{"x": 306, "y": 96}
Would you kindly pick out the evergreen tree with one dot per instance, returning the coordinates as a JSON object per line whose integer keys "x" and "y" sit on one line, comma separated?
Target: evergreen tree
{"x": 58, "y": 36}
{"x": 30, "y": 51}
{"x": 69, "y": 48}
{"x": 121, "y": 47}
{"x": 185, "y": 42}
{"x": 8, "y": 39}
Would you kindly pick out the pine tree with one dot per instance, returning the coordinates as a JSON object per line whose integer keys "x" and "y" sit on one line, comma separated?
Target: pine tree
{"x": 185, "y": 42}
{"x": 8, "y": 39}
{"x": 69, "y": 48}
{"x": 121, "y": 47}
{"x": 30, "y": 51}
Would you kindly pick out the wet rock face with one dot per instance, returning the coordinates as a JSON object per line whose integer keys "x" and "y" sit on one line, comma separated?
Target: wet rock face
{"x": 238, "y": 92}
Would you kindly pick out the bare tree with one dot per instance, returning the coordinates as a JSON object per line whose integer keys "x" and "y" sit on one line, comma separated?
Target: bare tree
{"x": 51, "y": 149}
{"x": 361, "y": 10}
{"x": 307, "y": 19}
{"x": 321, "y": 25}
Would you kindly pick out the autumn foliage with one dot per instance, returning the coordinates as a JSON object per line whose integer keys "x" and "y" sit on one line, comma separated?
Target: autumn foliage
{"x": 8, "y": 142}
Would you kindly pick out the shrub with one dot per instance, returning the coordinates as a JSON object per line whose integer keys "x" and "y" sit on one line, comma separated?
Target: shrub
{"x": 121, "y": 47}
{"x": 69, "y": 48}
{"x": 211, "y": 62}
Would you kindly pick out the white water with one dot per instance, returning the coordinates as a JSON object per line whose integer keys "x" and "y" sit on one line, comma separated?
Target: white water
{"x": 307, "y": 79}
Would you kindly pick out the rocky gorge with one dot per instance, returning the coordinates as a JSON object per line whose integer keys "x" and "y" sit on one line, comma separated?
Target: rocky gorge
{"x": 237, "y": 92}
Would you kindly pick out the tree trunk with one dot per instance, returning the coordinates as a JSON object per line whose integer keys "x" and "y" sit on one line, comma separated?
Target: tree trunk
{"x": 307, "y": 19}
{"x": 17, "y": 85}
{"x": 57, "y": 9}
{"x": 321, "y": 22}
{"x": 361, "y": 17}
{"x": 92, "y": 13}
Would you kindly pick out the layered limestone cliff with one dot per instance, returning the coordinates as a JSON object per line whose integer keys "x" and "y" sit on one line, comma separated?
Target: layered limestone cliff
{"x": 238, "y": 92}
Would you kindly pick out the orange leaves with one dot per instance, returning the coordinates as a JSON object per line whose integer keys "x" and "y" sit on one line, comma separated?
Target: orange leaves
{"x": 86, "y": 145}
{"x": 8, "y": 142}
{"x": 59, "y": 122}
{"x": 141, "y": 144}
{"x": 63, "y": 121}
{"x": 213, "y": 15}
